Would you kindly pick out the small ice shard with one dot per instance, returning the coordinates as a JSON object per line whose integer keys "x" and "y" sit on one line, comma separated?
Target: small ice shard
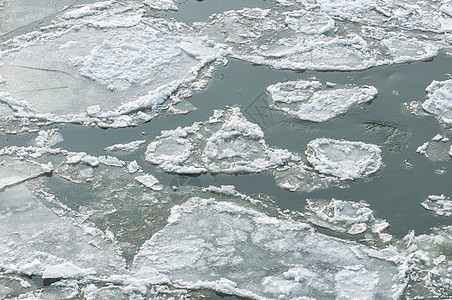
{"x": 440, "y": 138}
{"x": 343, "y": 159}
{"x": 149, "y": 181}
{"x": 439, "y": 100}
{"x": 133, "y": 167}
{"x": 66, "y": 270}
{"x": 226, "y": 143}
{"x": 226, "y": 247}
{"x": 317, "y": 102}
{"x": 343, "y": 216}
{"x": 47, "y": 168}
{"x": 129, "y": 147}
{"x": 422, "y": 149}
{"x": 440, "y": 204}
{"x": 161, "y": 4}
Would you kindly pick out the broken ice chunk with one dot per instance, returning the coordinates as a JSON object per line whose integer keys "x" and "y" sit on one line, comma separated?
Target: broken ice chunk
{"x": 338, "y": 215}
{"x": 129, "y": 147}
{"x": 441, "y": 205}
{"x": 226, "y": 143}
{"x": 149, "y": 181}
{"x": 343, "y": 159}
{"x": 439, "y": 100}
{"x": 226, "y": 247}
{"x": 48, "y": 138}
{"x": 317, "y": 102}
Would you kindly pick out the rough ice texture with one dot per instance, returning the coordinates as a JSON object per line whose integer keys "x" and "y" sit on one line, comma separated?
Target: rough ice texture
{"x": 113, "y": 52}
{"x": 439, "y": 100}
{"x": 343, "y": 216}
{"x": 431, "y": 261}
{"x": 343, "y": 159}
{"x": 311, "y": 39}
{"x": 226, "y": 143}
{"x": 236, "y": 250}
{"x": 440, "y": 204}
{"x": 29, "y": 243}
{"x": 129, "y": 147}
{"x": 161, "y": 4}
{"x": 317, "y": 102}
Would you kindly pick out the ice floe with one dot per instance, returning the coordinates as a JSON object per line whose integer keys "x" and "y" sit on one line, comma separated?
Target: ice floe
{"x": 317, "y": 102}
{"x": 344, "y": 216}
{"x": 439, "y": 100}
{"x": 239, "y": 251}
{"x": 307, "y": 38}
{"x": 343, "y": 159}
{"x": 102, "y": 51}
{"x": 440, "y": 204}
{"x": 161, "y": 4}
{"x": 226, "y": 143}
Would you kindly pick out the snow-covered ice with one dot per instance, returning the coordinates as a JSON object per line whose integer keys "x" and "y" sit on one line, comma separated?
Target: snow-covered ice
{"x": 440, "y": 204}
{"x": 343, "y": 216}
{"x": 239, "y": 251}
{"x": 161, "y": 4}
{"x": 344, "y": 159}
{"x": 317, "y": 102}
{"x": 97, "y": 52}
{"x": 439, "y": 100}
{"x": 226, "y": 143}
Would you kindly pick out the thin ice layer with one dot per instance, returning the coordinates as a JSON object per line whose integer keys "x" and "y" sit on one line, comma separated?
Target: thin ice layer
{"x": 226, "y": 143}
{"x": 235, "y": 250}
{"x": 440, "y": 204}
{"x": 439, "y": 100}
{"x": 97, "y": 52}
{"x": 344, "y": 159}
{"x": 317, "y": 102}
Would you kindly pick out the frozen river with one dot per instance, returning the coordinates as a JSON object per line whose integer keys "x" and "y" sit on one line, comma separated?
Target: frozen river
{"x": 239, "y": 149}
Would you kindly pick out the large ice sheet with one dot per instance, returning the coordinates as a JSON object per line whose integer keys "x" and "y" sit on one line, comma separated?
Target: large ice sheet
{"x": 317, "y": 102}
{"x": 102, "y": 61}
{"x": 439, "y": 100}
{"x": 440, "y": 204}
{"x": 226, "y": 143}
{"x": 343, "y": 159}
{"x": 309, "y": 39}
{"x": 236, "y": 250}
{"x": 36, "y": 241}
